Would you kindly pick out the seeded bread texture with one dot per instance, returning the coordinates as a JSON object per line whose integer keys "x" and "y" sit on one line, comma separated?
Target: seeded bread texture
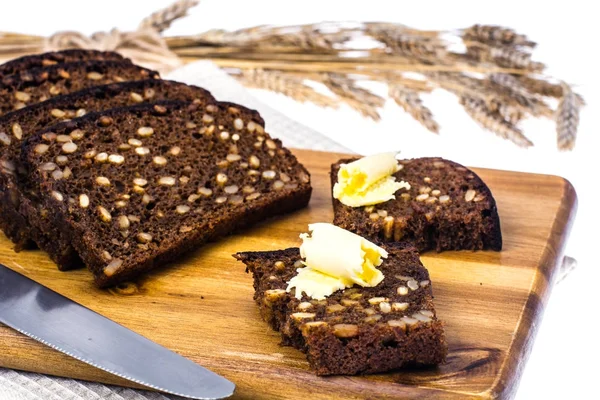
{"x": 17, "y": 199}
{"x": 357, "y": 330}
{"x": 39, "y": 84}
{"x": 56, "y": 57}
{"x": 448, "y": 207}
{"x": 193, "y": 173}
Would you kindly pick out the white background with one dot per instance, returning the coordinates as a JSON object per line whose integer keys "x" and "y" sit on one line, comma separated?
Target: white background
{"x": 565, "y": 353}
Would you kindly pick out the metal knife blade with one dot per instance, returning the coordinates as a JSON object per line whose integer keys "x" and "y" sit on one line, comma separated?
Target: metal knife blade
{"x": 79, "y": 332}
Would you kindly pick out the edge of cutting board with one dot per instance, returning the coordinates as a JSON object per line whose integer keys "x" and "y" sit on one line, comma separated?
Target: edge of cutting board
{"x": 508, "y": 380}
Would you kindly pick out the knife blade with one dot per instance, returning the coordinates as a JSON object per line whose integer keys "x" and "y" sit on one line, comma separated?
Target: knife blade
{"x": 56, "y": 321}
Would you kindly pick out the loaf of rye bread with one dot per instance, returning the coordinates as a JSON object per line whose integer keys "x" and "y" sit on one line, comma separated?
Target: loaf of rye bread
{"x": 189, "y": 174}
{"x": 358, "y": 330}
{"x": 56, "y": 57}
{"x": 39, "y": 84}
{"x": 14, "y": 190}
{"x": 448, "y": 207}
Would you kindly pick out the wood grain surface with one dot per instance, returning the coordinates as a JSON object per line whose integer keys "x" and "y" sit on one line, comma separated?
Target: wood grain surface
{"x": 202, "y": 307}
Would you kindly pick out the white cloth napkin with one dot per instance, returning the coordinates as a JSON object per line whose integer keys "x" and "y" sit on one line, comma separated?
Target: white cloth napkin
{"x": 17, "y": 385}
{"x": 293, "y": 134}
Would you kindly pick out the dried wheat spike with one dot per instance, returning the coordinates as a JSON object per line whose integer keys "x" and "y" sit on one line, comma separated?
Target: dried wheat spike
{"x": 512, "y": 83}
{"x": 539, "y": 108}
{"x": 410, "y": 101}
{"x": 510, "y": 58}
{"x": 504, "y": 57}
{"x": 400, "y": 41}
{"x": 494, "y": 122}
{"x": 491, "y": 94}
{"x": 307, "y": 37}
{"x": 567, "y": 119}
{"x": 162, "y": 19}
{"x": 514, "y": 94}
{"x": 287, "y": 84}
{"x": 545, "y": 88}
{"x": 541, "y": 86}
{"x": 221, "y": 37}
{"x": 510, "y": 112}
{"x": 356, "y": 97}
{"x": 494, "y": 35}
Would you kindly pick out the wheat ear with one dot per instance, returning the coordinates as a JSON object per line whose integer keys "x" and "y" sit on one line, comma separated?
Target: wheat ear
{"x": 410, "y": 101}
{"x": 162, "y": 19}
{"x": 494, "y": 122}
{"x": 567, "y": 119}
{"x": 286, "y": 84}
{"x": 401, "y": 41}
{"x": 354, "y": 96}
{"x": 496, "y": 35}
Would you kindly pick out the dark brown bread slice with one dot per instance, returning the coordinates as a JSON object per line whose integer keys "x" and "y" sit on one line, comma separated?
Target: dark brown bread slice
{"x": 55, "y": 57}
{"x": 448, "y": 207}
{"x": 357, "y": 330}
{"x": 27, "y": 121}
{"x": 39, "y": 84}
{"x": 197, "y": 172}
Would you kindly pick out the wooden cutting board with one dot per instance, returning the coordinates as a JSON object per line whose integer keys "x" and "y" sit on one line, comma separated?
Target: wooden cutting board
{"x": 202, "y": 307}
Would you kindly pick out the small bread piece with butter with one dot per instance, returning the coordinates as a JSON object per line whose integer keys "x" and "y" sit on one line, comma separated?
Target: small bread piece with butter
{"x": 335, "y": 259}
{"x": 368, "y": 180}
{"x": 356, "y": 330}
{"x": 441, "y": 206}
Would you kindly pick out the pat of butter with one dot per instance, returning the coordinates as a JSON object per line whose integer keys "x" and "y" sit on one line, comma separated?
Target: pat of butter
{"x": 368, "y": 181}
{"x": 335, "y": 259}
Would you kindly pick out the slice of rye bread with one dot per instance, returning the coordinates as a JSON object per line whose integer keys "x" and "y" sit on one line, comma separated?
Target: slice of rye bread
{"x": 56, "y": 57}
{"x": 193, "y": 173}
{"x": 39, "y": 84}
{"x": 18, "y": 125}
{"x": 448, "y": 207}
{"x": 358, "y": 330}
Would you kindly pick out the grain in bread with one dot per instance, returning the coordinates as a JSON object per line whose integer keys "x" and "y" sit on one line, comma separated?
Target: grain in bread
{"x": 21, "y": 64}
{"x": 39, "y": 84}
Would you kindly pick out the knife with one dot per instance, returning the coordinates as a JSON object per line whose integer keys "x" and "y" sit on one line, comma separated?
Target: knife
{"x": 81, "y": 333}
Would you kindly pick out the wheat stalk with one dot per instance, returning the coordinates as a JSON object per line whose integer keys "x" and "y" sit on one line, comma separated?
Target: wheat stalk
{"x": 410, "y": 101}
{"x": 494, "y": 122}
{"x": 286, "y": 84}
{"x": 494, "y": 35}
{"x": 361, "y": 100}
{"x": 567, "y": 119}
{"x": 162, "y": 19}
{"x": 394, "y": 78}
